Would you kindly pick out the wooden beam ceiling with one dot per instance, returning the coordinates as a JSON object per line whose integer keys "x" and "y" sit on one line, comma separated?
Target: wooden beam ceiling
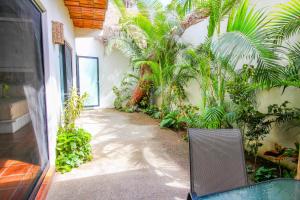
{"x": 87, "y": 13}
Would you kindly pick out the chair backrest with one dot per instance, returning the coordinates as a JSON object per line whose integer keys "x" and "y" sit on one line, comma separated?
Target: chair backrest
{"x": 216, "y": 160}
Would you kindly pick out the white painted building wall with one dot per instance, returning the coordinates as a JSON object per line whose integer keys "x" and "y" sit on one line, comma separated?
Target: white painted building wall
{"x": 112, "y": 67}
{"x": 55, "y": 10}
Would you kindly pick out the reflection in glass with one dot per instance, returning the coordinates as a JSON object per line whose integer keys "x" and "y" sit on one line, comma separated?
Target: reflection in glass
{"x": 23, "y": 138}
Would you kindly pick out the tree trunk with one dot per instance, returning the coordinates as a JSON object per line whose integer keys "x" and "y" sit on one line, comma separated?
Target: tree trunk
{"x": 298, "y": 168}
{"x": 142, "y": 88}
{"x": 194, "y": 18}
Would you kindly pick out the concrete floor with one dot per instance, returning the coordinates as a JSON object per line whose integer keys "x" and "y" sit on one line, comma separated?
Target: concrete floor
{"x": 133, "y": 160}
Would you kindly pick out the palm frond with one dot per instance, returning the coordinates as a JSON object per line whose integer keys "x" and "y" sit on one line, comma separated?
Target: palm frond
{"x": 144, "y": 24}
{"x": 228, "y": 5}
{"x": 294, "y": 54}
{"x": 213, "y": 117}
{"x": 285, "y": 22}
{"x": 215, "y": 16}
{"x": 245, "y": 37}
{"x": 149, "y": 7}
{"x": 126, "y": 45}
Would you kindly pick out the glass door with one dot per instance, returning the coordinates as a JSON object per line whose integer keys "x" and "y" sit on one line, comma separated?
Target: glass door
{"x": 23, "y": 130}
{"x": 88, "y": 79}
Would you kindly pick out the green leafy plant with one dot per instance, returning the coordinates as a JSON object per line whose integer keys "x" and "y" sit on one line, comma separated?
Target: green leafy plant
{"x": 123, "y": 93}
{"x": 73, "y": 144}
{"x": 183, "y": 117}
{"x": 171, "y": 120}
{"x": 152, "y": 111}
{"x": 288, "y": 174}
{"x": 73, "y": 108}
{"x": 5, "y": 90}
{"x": 254, "y": 124}
{"x": 73, "y": 149}
{"x": 190, "y": 117}
{"x": 264, "y": 174}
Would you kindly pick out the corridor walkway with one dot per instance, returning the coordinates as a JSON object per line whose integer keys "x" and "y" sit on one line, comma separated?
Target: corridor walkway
{"x": 133, "y": 160}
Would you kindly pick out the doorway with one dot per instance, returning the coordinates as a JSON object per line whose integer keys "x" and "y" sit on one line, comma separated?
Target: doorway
{"x": 88, "y": 79}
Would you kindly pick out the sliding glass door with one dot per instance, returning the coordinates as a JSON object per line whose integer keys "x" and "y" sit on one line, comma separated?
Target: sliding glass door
{"x": 23, "y": 131}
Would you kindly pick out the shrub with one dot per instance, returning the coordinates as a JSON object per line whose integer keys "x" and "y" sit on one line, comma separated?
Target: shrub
{"x": 73, "y": 107}
{"x": 264, "y": 174}
{"x": 73, "y": 148}
{"x": 152, "y": 111}
{"x": 171, "y": 120}
{"x": 123, "y": 93}
{"x": 73, "y": 144}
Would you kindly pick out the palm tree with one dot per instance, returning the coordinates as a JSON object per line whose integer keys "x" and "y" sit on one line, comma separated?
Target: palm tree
{"x": 150, "y": 39}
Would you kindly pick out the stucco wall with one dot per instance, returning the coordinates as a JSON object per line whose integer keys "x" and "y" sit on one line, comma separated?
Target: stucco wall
{"x": 286, "y": 134}
{"x": 112, "y": 67}
{"x": 55, "y": 11}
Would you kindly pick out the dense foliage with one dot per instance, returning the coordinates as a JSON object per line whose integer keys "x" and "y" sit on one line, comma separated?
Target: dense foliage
{"x": 264, "y": 174}
{"x": 73, "y": 144}
{"x": 253, "y": 53}
{"x": 73, "y": 148}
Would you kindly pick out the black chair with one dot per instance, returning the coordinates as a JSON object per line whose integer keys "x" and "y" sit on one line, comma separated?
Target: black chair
{"x": 217, "y": 161}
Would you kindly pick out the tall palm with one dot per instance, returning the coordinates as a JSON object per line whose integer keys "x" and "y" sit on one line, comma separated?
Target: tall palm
{"x": 155, "y": 33}
{"x": 244, "y": 39}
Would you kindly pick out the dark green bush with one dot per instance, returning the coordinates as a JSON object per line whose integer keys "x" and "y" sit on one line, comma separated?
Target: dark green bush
{"x": 171, "y": 120}
{"x": 264, "y": 174}
{"x": 152, "y": 111}
{"x": 73, "y": 148}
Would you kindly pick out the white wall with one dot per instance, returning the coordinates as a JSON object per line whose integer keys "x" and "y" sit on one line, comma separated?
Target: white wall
{"x": 112, "y": 67}
{"x": 55, "y": 11}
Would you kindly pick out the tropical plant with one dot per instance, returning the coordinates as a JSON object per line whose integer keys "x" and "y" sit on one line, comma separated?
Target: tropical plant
{"x": 171, "y": 120}
{"x": 264, "y": 174}
{"x": 283, "y": 25}
{"x": 72, "y": 149}
{"x": 123, "y": 92}
{"x": 73, "y": 107}
{"x": 285, "y": 20}
{"x": 73, "y": 144}
{"x": 153, "y": 111}
{"x": 150, "y": 39}
{"x": 254, "y": 124}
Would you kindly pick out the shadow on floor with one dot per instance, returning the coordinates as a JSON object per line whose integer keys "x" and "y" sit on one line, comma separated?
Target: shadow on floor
{"x": 133, "y": 159}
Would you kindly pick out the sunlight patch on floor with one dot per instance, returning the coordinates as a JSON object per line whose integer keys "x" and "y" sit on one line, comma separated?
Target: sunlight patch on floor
{"x": 177, "y": 184}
